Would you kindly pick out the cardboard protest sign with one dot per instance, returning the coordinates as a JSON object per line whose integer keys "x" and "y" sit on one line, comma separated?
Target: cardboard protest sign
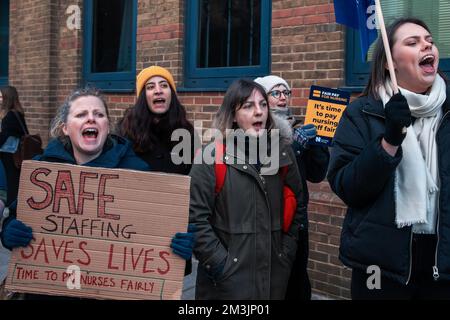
{"x": 324, "y": 110}
{"x": 99, "y": 233}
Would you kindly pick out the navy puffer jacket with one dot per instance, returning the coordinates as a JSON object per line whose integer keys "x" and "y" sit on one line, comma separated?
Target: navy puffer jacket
{"x": 362, "y": 174}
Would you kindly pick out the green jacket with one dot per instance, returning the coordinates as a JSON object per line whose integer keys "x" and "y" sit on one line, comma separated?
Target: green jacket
{"x": 242, "y": 250}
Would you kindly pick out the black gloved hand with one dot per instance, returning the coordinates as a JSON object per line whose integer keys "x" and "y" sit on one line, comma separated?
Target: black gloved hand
{"x": 398, "y": 116}
{"x": 303, "y": 135}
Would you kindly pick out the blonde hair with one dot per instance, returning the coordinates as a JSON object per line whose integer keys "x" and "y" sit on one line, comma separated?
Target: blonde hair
{"x": 63, "y": 112}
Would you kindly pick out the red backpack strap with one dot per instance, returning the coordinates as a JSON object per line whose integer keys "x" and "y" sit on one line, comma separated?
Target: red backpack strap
{"x": 289, "y": 201}
{"x": 220, "y": 167}
{"x": 284, "y": 171}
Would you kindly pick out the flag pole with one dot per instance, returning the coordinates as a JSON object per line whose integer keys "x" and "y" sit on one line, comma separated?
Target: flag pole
{"x": 387, "y": 48}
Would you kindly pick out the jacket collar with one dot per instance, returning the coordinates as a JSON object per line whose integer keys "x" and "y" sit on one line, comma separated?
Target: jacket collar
{"x": 446, "y": 105}
{"x": 373, "y": 107}
{"x": 238, "y": 156}
{"x": 113, "y": 151}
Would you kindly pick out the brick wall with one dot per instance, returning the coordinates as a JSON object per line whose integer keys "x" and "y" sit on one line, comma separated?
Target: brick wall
{"x": 45, "y": 58}
{"x": 69, "y": 52}
{"x": 326, "y": 213}
{"x": 31, "y": 59}
{"x": 307, "y": 49}
{"x": 160, "y": 41}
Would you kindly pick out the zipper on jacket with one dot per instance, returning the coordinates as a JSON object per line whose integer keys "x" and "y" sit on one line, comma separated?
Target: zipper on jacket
{"x": 435, "y": 268}
{"x": 435, "y": 273}
{"x": 410, "y": 257}
{"x": 262, "y": 179}
{"x": 411, "y": 233}
{"x": 373, "y": 114}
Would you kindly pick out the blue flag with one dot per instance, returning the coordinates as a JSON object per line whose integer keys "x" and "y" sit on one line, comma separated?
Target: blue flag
{"x": 359, "y": 15}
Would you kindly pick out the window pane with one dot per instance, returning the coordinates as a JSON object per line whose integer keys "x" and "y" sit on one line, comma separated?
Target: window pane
{"x": 229, "y": 33}
{"x": 111, "y": 39}
{"x": 434, "y": 13}
{"x": 4, "y": 37}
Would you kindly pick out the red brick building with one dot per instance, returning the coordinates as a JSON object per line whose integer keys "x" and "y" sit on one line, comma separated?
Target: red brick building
{"x": 56, "y": 46}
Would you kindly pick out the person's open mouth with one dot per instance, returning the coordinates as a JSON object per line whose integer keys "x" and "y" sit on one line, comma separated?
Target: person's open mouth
{"x": 160, "y": 102}
{"x": 90, "y": 133}
{"x": 427, "y": 63}
{"x": 258, "y": 125}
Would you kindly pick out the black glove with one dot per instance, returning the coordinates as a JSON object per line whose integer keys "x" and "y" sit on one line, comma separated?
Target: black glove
{"x": 398, "y": 116}
{"x": 302, "y": 136}
{"x": 214, "y": 273}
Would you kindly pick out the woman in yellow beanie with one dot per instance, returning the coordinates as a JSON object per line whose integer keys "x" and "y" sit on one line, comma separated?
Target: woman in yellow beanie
{"x": 149, "y": 124}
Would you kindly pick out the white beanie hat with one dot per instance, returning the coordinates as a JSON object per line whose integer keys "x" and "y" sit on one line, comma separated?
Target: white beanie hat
{"x": 268, "y": 82}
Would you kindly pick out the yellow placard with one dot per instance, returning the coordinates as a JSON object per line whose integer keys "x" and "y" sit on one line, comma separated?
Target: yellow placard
{"x": 324, "y": 110}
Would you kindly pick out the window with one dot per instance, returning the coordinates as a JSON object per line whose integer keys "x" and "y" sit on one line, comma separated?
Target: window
{"x": 110, "y": 44}
{"x": 4, "y": 41}
{"x": 434, "y": 13}
{"x": 225, "y": 40}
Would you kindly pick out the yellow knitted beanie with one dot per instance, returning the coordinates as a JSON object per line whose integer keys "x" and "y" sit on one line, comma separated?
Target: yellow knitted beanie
{"x": 150, "y": 72}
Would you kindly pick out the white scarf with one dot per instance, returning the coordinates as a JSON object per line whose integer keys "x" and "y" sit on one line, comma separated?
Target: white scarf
{"x": 416, "y": 202}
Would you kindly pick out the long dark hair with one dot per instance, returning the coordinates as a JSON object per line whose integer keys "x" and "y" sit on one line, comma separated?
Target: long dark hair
{"x": 10, "y": 100}
{"x": 236, "y": 95}
{"x": 145, "y": 129}
{"x": 379, "y": 73}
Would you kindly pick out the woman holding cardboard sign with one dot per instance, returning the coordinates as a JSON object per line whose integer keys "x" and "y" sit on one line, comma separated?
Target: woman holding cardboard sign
{"x": 81, "y": 136}
{"x": 395, "y": 180}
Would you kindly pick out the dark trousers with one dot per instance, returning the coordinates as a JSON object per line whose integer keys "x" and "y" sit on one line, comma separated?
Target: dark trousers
{"x": 421, "y": 286}
{"x": 12, "y": 176}
{"x": 299, "y": 287}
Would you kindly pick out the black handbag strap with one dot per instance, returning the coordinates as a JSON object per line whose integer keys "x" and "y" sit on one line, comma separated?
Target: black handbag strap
{"x": 25, "y": 131}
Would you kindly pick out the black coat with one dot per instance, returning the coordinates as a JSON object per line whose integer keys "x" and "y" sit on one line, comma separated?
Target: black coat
{"x": 159, "y": 158}
{"x": 362, "y": 174}
{"x": 11, "y": 127}
{"x": 312, "y": 164}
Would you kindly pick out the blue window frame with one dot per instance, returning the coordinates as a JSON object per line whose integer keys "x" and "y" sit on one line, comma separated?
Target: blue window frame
{"x": 225, "y": 40}
{"x": 4, "y": 41}
{"x": 434, "y": 13}
{"x": 356, "y": 71}
{"x": 109, "y": 61}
